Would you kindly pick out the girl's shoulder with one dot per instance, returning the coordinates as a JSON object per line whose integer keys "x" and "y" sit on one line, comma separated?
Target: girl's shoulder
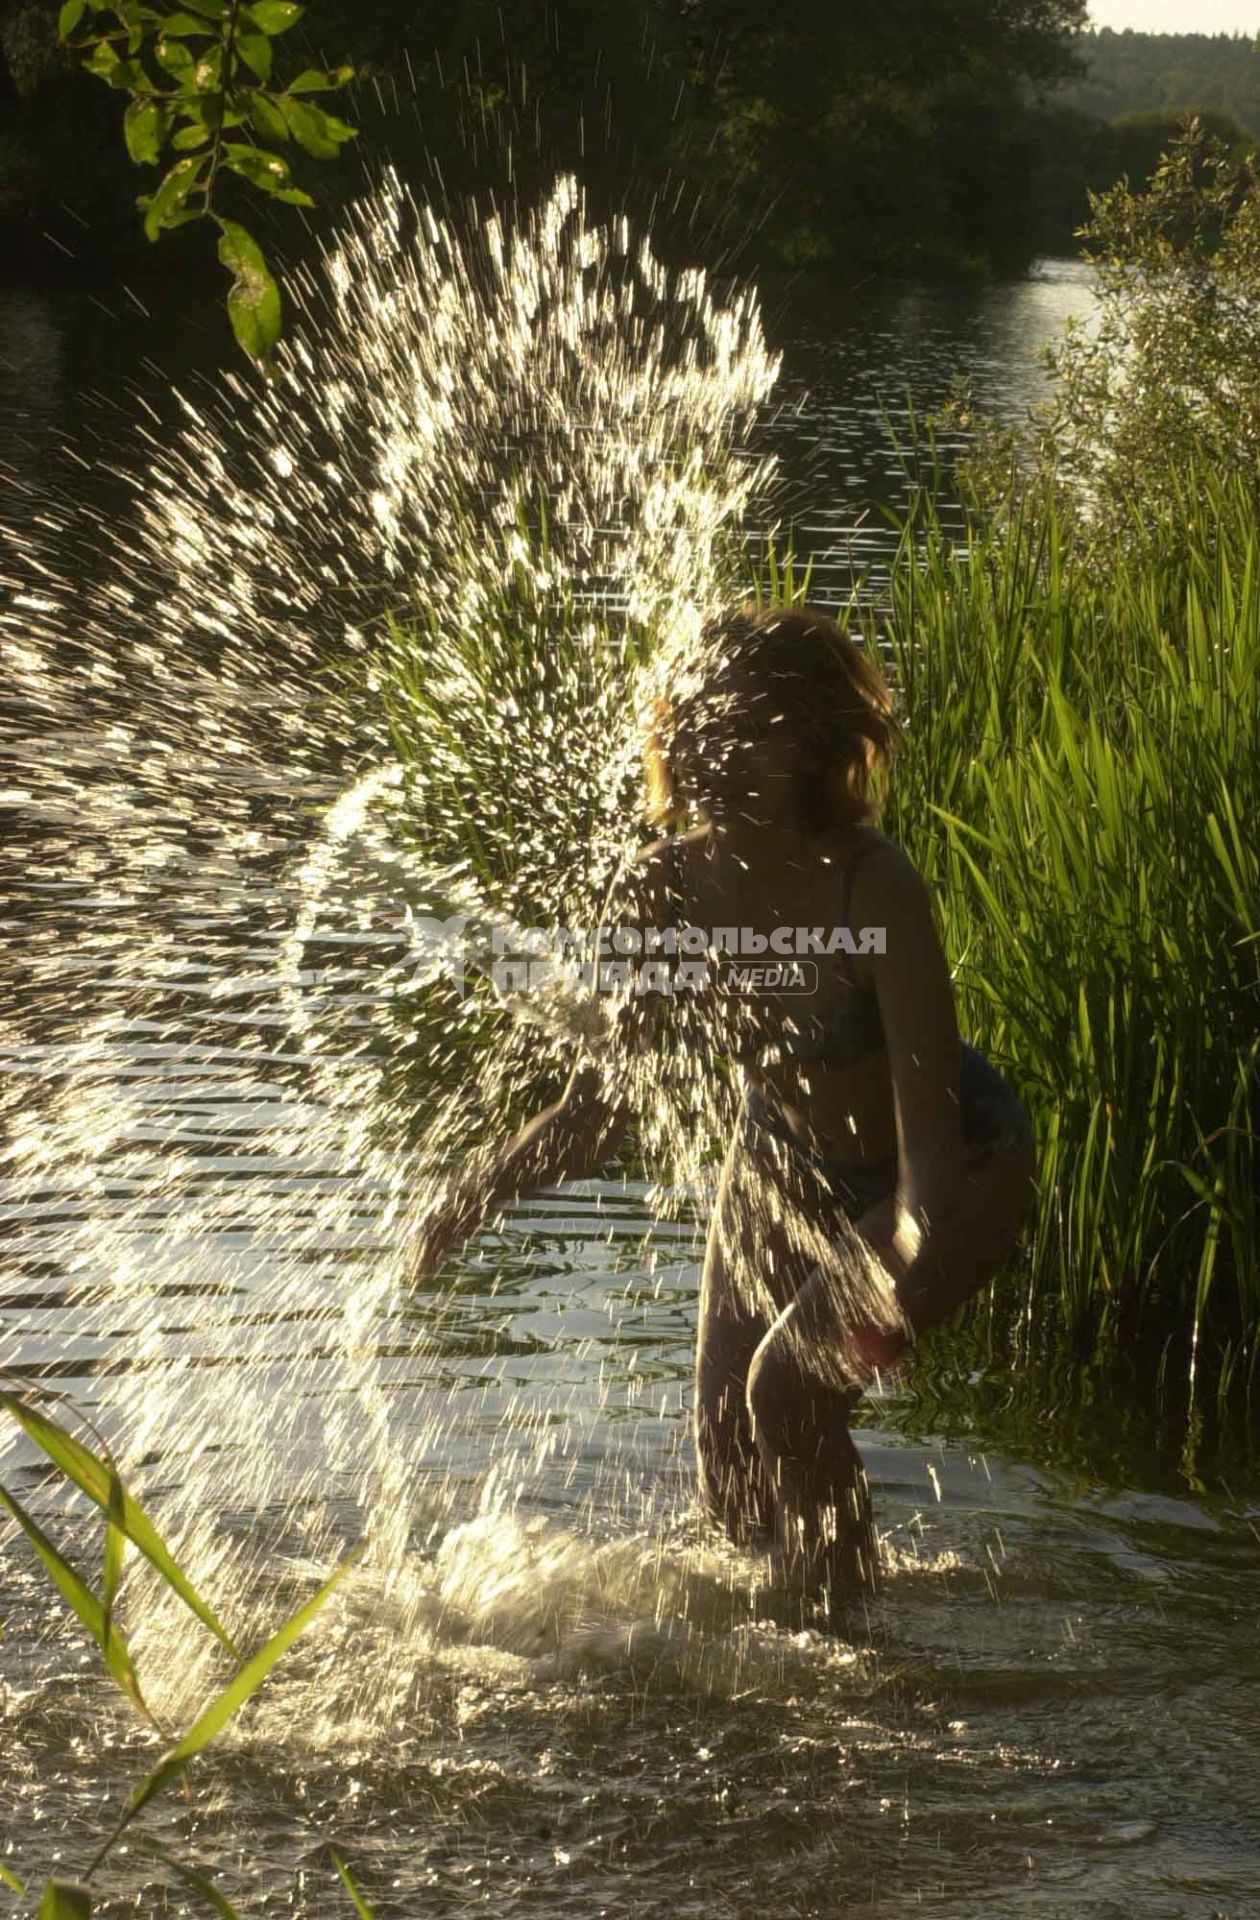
{"x": 879, "y": 860}
{"x": 879, "y": 878}
{"x": 862, "y": 861}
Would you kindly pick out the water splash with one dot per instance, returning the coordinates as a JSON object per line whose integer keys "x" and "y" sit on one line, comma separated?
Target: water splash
{"x": 320, "y": 679}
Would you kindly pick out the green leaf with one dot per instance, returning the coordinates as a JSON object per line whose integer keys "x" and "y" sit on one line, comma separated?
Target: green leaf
{"x": 82, "y": 1600}
{"x": 130, "y": 76}
{"x": 208, "y": 72}
{"x": 314, "y": 81}
{"x": 210, "y": 9}
{"x": 255, "y": 51}
{"x": 251, "y": 1676}
{"x": 115, "y": 1554}
{"x": 190, "y": 137}
{"x": 173, "y": 56}
{"x": 161, "y": 206}
{"x": 203, "y": 111}
{"x": 254, "y": 300}
{"x": 96, "y": 1480}
{"x": 145, "y": 126}
{"x": 266, "y": 171}
{"x": 318, "y": 132}
{"x": 69, "y": 18}
{"x": 102, "y": 60}
{"x": 273, "y": 16}
{"x": 361, "y": 1906}
{"x": 185, "y": 24}
{"x": 65, "y": 1901}
{"x": 267, "y": 116}
{"x": 11, "y": 1881}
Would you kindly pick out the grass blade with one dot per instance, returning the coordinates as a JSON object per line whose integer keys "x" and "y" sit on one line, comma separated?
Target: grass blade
{"x": 238, "y": 1690}
{"x": 99, "y": 1483}
{"x": 64, "y": 1901}
{"x": 11, "y": 1881}
{"x": 361, "y": 1906}
{"x": 115, "y": 1552}
{"x": 199, "y": 1884}
{"x": 83, "y": 1602}
{"x": 115, "y": 1540}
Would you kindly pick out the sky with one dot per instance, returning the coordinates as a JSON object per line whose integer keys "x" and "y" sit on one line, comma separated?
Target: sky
{"x": 1178, "y": 16}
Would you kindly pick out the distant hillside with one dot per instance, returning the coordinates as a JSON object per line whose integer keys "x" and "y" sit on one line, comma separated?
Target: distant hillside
{"x": 1133, "y": 72}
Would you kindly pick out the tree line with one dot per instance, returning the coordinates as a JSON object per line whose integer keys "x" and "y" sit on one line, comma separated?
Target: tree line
{"x": 1141, "y": 72}
{"x": 884, "y": 136}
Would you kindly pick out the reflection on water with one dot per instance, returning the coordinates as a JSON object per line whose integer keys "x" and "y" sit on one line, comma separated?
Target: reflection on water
{"x": 850, "y": 357}
{"x": 32, "y": 374}
{"x": 594, "y": 1707}
{"x": 855, "y": 364}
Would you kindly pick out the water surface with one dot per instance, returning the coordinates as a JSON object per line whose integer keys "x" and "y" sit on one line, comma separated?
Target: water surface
{"x": 593, "y": 1706}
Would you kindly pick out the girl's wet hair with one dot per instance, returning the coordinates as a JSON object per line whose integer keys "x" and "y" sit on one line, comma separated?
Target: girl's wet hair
{"x": 792, "y": 667}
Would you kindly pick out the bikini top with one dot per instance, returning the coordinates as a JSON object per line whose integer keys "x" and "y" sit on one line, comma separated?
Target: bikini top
{"x": 855, "y": 1028}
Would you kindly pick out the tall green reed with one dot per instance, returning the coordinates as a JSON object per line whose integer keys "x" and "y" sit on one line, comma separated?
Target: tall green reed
{"x": 1080, "y": 777}
{"x": 126, "y": 1522}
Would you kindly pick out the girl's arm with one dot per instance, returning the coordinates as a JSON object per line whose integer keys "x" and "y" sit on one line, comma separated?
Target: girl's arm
{"x": 574, "y": 1137}
{"x": 566, "y": 1141}
{"x": 916, "y": 1004}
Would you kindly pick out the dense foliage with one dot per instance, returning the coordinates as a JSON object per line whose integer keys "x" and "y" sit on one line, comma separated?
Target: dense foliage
{"x": 1080, "y": 776}
{"x": 1163, "y": 387}
{"x": 891, "y": 137}
{"x": 869, "y": 136}
{"x": 1083, "y": 769}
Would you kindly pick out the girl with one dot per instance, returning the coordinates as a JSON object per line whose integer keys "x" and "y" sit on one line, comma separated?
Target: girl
{"x": 857, "y": 1096}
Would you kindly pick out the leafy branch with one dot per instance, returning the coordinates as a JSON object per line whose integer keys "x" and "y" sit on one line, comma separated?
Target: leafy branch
{"x": 212, "y": 104}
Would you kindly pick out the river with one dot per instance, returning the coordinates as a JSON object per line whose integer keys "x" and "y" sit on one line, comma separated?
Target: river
{"x": 1049, "y": 1711}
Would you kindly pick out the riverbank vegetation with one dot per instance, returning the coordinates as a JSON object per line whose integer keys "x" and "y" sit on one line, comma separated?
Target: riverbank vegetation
{"x": 1081, "y": 678}
{"x": 1082, "y": 765}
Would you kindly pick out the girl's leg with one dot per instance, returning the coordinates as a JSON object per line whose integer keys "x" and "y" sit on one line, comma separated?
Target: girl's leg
{"x": 753, "y": 1266}
{"x": 777, "y": 1466}
{"x": 800, "y": 1423}
{"x": 733, "y": 1485}
{"x": 825, "y": 1532}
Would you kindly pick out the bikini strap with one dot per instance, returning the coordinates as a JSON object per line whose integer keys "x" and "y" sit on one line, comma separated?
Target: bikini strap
{"x": 846, "y": 900}
{"x": 674, "y": 879}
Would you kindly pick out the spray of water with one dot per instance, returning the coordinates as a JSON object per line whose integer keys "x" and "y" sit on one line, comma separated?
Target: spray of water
{"x": 372, "y": 645}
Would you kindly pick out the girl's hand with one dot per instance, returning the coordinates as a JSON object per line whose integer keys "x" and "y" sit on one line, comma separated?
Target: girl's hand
{"x": 452, "y": 1219}
{"x": 872, "y": 1346}
{"x": 872, "y": 1349}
